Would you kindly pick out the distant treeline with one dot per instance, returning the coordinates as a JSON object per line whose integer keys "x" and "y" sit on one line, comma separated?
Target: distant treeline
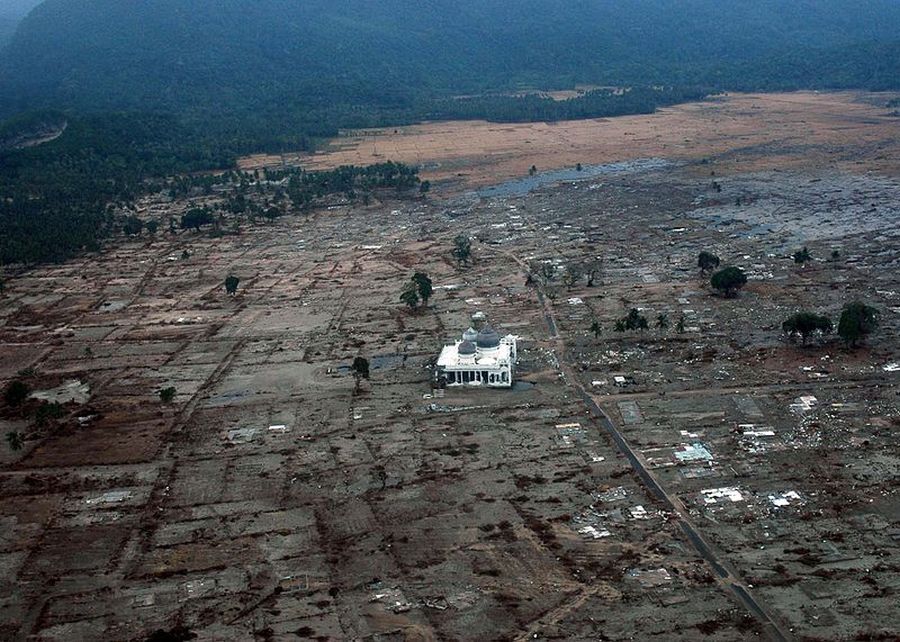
{"x": 599, "y": 103}
{"x": 57, "y": 198}
{"x": 60, "y": 198}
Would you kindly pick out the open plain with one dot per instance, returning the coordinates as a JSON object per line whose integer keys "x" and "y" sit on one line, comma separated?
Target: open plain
{"x": 848, "y": 131}
{"x": 702, "y": 479}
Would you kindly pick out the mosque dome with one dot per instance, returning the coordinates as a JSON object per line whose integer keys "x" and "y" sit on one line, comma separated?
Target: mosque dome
{"x": 466, "y": 348}
{"x": 487, "y": 338}
{"x": 470, "y": 335}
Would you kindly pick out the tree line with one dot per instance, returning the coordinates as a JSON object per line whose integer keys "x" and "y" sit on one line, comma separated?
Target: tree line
{"x": 62, "y": 197}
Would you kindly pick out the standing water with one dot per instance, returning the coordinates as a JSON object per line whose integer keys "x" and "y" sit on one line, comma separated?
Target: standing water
{"x": 522, "y": 186}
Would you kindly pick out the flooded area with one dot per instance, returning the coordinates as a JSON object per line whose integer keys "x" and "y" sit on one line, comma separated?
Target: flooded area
{"x": 522, "y": 186}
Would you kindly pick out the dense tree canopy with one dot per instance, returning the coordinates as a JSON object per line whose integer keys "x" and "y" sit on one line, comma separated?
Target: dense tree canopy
{"x": 729, "y": 280}
{"x": 707, "y": 261}
{"x": 806, "y": 324}
{"x": 858, "y": 320}
{"x": 298, "y": 59}
{"x": 58, "y": 198}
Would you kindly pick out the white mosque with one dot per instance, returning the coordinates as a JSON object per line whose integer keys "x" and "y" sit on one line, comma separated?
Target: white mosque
{"x": 481, "y": 358}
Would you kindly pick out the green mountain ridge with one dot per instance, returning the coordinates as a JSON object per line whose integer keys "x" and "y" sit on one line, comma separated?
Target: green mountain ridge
{"x": 204, "y": 57}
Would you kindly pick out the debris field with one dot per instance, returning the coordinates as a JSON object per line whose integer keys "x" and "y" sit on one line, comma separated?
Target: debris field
{"x": 631, "y": 485}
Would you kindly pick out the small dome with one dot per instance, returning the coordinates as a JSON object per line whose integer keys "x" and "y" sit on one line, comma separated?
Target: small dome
{"x": 488, "y": 338}
{"x": 466, "y": 348}
{"x": 470, "y": 335}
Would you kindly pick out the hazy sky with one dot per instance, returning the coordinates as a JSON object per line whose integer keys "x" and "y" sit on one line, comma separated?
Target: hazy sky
{"x": 17, "y": 7}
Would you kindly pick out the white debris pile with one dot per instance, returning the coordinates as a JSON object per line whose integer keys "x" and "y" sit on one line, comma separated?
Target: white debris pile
{"x": 650, "y": 578}
{"x": 722, "y": 495}
{"x": 593, "y": 532}
{"x": 756, "y": 439}
{"x": 198, "y": 588}
{"x": 693, "y": 452}
{"x": 750, "y": 430}
{"x": 393, "y": 599}
{"x": 638, "y": 512}
{"x": 569, "y": 434}
{"x": 241, "y": 435}
{"x": 814, "y": 372}
{"x": 589, "y": 524}
{"x": 109, "y": 497}
{"x": 804, "y": 404}
{"x": 612, "y": 495}
{"x": 787, "y": 498}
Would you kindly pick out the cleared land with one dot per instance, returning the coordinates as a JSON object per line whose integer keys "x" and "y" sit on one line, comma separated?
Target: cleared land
{"x": 848, "y": 131}
{"x": 269, "y": 501}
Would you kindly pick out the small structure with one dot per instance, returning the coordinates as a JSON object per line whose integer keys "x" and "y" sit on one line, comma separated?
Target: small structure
{"x": 480, "y": 358}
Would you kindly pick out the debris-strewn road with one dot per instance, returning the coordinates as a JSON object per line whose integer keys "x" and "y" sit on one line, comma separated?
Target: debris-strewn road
{"x": 725, "y": 575}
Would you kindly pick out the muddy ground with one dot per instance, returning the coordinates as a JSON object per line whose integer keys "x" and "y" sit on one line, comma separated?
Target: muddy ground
{"x": 847, "y": 131}
{"x": 270, "y": 500}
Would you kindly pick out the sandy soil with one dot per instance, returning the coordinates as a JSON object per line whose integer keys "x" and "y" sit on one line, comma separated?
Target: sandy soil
{"x": 743, "y": 132}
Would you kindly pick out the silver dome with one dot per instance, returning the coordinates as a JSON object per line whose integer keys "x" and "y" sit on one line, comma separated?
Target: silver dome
{"x": 466, "y": 348}
{"x": 488, "y": 338}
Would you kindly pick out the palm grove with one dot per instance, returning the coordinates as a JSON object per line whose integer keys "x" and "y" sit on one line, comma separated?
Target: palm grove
{"x": 856, "y": 321}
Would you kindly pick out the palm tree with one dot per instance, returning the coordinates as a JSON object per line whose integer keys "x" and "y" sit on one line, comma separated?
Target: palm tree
{"x": 15, "y": 440}
{"x": 360, "y": 369}
{"x": 410, "y": 295}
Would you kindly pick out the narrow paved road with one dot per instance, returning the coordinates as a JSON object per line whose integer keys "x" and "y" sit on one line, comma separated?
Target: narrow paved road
{"x": 727, "y": 577}
{"x": 871, "y": 382}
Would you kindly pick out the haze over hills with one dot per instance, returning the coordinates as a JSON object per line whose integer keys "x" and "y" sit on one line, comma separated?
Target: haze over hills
{"x": 207, "y": 57}
{"x": 11, "y": 12}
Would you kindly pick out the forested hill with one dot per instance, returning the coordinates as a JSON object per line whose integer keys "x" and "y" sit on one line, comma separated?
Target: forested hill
{"x": 214, "y": 56}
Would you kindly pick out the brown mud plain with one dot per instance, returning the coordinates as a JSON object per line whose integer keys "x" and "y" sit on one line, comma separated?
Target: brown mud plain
{"x": 745, "y": 132}
{"x": 707, "y": 480}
